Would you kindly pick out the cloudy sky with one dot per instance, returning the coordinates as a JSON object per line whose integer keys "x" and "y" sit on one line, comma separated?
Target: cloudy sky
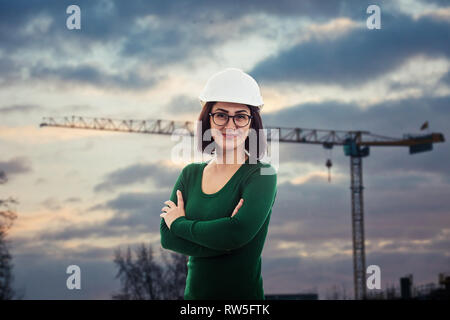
{"x": 84, "y": 193}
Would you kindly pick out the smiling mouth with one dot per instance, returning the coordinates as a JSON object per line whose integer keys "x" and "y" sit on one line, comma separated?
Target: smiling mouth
{"x": 229, "y": 136}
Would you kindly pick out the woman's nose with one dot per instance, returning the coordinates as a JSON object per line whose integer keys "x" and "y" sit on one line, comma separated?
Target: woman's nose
{"x": 230, "y": 124}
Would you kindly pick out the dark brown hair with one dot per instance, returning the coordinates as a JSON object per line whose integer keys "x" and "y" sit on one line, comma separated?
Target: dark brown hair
{"x": 255, "y": 123}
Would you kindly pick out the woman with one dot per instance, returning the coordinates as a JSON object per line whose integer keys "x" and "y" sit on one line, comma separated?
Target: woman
{"x": 219, "y": 211}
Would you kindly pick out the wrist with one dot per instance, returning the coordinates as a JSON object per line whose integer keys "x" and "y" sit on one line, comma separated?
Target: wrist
{"x": 174, "y": 222}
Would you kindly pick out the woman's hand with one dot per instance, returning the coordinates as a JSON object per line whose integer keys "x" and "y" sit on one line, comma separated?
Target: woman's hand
{"x": 172, "y": 211}
{"x": 237, "y": 207}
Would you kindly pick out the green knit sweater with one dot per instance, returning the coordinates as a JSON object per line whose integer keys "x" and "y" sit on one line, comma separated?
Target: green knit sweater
{"x": 224, "y": 252}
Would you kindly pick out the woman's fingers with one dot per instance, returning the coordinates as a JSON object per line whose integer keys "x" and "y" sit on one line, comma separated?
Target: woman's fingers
{"x": 239, "y": 205}
{"x": 180, "y": 199}
{"x": 170, "y": 203}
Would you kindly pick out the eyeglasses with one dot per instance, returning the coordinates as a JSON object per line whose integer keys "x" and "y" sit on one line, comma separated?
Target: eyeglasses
{"x": 221, "y": 119}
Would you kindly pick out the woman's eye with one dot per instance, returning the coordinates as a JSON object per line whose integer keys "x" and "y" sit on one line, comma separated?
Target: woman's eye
{"x": 241, "y": 117}
{"x": 222, "y": 115}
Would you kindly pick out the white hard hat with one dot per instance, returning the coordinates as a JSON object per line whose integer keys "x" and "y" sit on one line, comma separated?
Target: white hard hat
{"x": 232, "y": 85}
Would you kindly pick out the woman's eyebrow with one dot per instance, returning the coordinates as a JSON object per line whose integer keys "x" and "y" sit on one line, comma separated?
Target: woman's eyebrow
{"x": 227, "y": 110}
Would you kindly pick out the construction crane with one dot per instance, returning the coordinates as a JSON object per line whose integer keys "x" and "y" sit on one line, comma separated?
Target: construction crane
{"x": 356, "y": 145}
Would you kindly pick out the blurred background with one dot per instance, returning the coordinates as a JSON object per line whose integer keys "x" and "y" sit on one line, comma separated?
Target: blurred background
{"x": 73, "y": 197}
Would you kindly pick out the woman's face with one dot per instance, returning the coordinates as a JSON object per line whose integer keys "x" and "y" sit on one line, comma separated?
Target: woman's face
{"x": 229, "y": 136}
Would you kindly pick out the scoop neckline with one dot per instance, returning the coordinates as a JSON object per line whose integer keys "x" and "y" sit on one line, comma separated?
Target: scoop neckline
{"x": 226, "y": 184}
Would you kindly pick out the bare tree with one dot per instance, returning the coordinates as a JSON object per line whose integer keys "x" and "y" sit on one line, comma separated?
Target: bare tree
{"x": 175, "y": 275}
{"x": 7, "y": 217}
{"x": 143, "y": 278}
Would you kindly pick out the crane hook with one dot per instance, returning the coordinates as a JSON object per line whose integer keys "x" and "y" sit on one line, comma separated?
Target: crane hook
{"x": 329, "y": 165}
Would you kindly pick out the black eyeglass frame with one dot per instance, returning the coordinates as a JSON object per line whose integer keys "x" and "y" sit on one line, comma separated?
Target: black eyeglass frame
{"x": 242, "y": 114}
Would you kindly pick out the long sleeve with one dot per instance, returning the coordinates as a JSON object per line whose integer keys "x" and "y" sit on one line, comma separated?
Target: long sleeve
{"x": 230, "y": 233}
{"x": 172, "y": 242}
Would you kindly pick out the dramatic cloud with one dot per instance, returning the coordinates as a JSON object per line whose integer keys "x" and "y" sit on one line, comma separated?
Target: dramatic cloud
{"x": 161, "y": 175}
{"x": 92, "y": 75}
{"x": 19, "y": 109}
{"x": 16, "y": 166}
{"x": 359, "y": 56}
{"x": 183, "y": 104}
